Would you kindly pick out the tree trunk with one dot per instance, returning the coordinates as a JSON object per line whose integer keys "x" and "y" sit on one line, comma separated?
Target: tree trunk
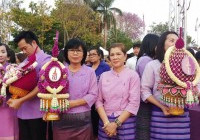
{"x": 105, "y": 34}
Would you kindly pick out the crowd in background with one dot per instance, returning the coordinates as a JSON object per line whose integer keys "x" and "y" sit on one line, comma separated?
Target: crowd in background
{"x": 111, "y": 97}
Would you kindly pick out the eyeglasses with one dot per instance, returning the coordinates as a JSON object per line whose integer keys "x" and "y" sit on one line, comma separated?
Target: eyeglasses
{"x": 92, "y": 54}
{"x": 78, "y": 51}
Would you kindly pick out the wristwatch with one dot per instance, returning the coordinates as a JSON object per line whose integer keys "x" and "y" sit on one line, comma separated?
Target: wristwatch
{"x": 118, "y": 122}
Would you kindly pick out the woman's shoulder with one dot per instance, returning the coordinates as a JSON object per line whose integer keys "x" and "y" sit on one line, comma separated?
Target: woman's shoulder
{"x": 87, "y": 69}
{"x": 144, "y": 58}
{"x": 154, "y": 63}
{"x": 106, "y": 73}
{"x": 130, "y": 72}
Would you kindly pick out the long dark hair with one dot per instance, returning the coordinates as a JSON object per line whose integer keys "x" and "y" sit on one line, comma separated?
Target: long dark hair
{"x": 148, "y": 45}
{"x": 160, "y": 49}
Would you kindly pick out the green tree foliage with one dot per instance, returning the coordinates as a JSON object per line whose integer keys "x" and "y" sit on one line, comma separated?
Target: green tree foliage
{"x": 159, "y": 28}
{"x": 77, "y": 20}
{"x": 72, "y": 18}
{"x": 37, "y": 20}
{"x": 117, "y": 36}
{"x": 5, "y": 19}
{"x": 104, "y": 8}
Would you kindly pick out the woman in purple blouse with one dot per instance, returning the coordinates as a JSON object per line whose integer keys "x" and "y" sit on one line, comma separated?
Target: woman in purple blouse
{"x": 163, "y": 125}
{"x": 119, "y": 98}
{"x": 146, "y": 54}
{"x": 76, "y": 123}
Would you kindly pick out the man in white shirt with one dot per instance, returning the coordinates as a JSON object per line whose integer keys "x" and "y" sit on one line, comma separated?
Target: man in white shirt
{"x": 131, "y": 62}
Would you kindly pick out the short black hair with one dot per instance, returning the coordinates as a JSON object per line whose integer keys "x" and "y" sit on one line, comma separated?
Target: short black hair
{"x": 75, "y": 43}
{"x": 136, "y": 45}
{"x": 28, "y": 36}
{"x": 98, "y": 50}
{"x": 160, "y": 49}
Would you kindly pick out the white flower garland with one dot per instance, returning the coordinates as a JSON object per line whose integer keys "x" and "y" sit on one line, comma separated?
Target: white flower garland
{"x": 171, "y": 74}
{"x": 50, "y": 96}
{"x": 54, "y": 90}
{"x": 14, "y": 78}
{"x": 58, "y": 102}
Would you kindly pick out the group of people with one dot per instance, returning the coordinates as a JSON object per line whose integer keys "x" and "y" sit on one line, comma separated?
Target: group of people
{"x": 106, "y": 102}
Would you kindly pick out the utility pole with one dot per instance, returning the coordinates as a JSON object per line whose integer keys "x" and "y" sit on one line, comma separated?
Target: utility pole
{"x": 172, "y": 14}
{"x": 178, "y": 16}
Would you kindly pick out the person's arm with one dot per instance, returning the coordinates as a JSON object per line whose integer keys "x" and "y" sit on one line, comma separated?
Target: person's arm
{"x": 16, "y": 103}
{"x": 75, "y": 103}
{"x": 147, "y": 83}
{"x": 99, "y": 104}
{"x": 154, "y": 101}
{"x": 103, "y": 116}
{"x": 91, "y": 96}
{"x": 100, "y": 107}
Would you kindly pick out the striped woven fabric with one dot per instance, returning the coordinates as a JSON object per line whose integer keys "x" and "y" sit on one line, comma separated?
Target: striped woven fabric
{"x": 125, "y": 132}
{"x": 169, "y": 127}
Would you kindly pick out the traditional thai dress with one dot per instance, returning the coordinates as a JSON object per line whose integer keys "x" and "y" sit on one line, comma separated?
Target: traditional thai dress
{"x": 76, "y": 123}
{"x": 8, "y": 122}
{"x": 162, "y": 127}
{"x": 119, "y": 92}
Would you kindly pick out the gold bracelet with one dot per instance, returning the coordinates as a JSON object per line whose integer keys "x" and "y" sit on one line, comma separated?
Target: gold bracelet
{"x": 118, "y": 122}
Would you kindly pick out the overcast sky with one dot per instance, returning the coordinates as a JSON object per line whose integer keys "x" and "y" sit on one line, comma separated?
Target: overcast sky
{"x": 154, "y": 11}
{"x": 158, "y": 11}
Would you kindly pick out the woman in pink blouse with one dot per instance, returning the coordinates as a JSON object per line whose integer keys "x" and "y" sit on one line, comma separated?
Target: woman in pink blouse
{"x": 118, "y": 99}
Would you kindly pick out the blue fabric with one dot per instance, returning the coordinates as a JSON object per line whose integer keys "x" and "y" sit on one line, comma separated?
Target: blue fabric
{"x": 101, "y": 68}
